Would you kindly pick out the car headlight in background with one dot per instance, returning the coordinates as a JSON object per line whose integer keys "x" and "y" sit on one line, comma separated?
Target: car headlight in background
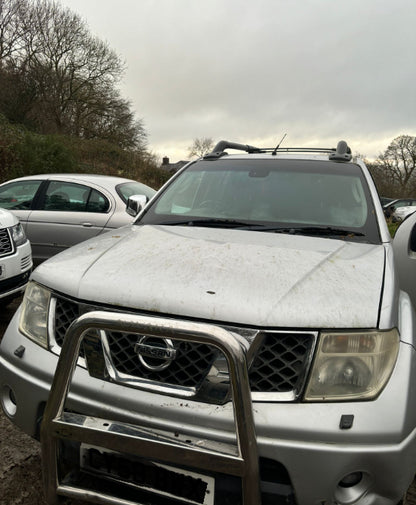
{"x": 34, "y": 316}
{"x": 18, "y": 234}
{"x": 352, "y": 366}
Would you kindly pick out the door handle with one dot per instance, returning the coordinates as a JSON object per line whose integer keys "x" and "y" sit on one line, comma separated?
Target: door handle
{"x": 87, "y": 225}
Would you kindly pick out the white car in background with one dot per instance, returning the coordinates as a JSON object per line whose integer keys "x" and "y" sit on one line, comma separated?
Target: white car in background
{"x": 402, "y": 212}
{"x": 15, "y": 257}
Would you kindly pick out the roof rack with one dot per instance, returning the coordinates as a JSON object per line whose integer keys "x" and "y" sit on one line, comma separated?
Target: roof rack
{"x": 341, "y": 153}
{"x": 219, "y": 149}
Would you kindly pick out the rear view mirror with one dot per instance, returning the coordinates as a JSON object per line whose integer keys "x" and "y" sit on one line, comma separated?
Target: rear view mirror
{"x": 135, "y": 204}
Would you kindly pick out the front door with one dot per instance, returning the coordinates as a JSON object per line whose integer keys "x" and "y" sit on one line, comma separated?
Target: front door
{"x": 68, "y": 213}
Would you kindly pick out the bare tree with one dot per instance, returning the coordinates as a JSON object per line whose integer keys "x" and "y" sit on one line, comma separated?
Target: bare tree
{"x": 201, "y": 146}
{"x": 11, "y": 30}
{"x": 17, "y": 91}
{"x": 58, "y": 78}
{"x": 112, "y": 120}
{"x": 67, "y": 63}
{"x": 398, "y": 164}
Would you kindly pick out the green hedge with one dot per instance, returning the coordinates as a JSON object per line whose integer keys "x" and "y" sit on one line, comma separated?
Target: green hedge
{"x": 23, "y": 152}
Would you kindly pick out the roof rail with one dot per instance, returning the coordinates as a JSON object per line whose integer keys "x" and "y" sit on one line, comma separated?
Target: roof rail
{"x": 341, "y": 153}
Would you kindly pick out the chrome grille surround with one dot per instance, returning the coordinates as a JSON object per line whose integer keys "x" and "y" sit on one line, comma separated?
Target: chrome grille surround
{"x": 279, "y": 360}
{"x": 6, "y": 243}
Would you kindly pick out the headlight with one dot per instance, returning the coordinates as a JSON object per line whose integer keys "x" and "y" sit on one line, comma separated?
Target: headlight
{"x": 352, "y": 366}
{"x": 18, "y": 234}
{"x": 34, "y": 316}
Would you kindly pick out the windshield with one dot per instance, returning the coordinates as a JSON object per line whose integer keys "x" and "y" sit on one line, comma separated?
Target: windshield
{"x": 269, "y": 195}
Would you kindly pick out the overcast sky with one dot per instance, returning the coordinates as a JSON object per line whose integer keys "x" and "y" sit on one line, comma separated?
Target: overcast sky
{"x": 252, "y": 70}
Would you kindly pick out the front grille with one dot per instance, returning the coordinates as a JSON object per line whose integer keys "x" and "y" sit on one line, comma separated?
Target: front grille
{"x": 6, "y": 245}
{"x": 279, "y": 366}
{"x": 65, "y": 313}
{"x": 189, "y": 368}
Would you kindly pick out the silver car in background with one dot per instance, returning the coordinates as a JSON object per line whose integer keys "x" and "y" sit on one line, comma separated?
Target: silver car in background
{"x": 58, "y": 211}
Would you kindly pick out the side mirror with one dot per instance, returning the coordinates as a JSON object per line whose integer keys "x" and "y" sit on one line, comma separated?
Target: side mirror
{"x": 404, "y": 247}
{"x": 135, "y": 204}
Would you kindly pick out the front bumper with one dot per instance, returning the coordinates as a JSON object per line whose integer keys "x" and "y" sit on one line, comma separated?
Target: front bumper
{"x": 304, "y": 439}
{"x": 15, "y": 270}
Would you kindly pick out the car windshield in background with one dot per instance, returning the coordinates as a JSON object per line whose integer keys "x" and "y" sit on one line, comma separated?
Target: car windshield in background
{"x": 288, "y": 196}
{"x": 127, "y": 189}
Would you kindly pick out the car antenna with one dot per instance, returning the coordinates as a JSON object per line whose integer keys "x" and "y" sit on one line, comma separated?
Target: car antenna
{"x": 278, "y": 145}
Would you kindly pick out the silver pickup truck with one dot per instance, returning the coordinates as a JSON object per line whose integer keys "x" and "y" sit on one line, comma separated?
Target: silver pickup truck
{"x": 246, "y": 341}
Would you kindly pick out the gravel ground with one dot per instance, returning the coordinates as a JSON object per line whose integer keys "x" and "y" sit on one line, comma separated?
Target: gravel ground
{"x": 20, "y": 466}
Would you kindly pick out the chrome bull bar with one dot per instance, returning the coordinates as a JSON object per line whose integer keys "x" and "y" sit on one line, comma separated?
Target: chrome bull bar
{"x": 58, "y": 426}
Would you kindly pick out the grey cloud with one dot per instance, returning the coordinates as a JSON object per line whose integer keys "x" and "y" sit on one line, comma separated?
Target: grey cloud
{"x": 318, "y": 68}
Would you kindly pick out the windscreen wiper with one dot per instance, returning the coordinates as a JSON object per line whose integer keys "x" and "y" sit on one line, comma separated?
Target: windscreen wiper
{"x": 208, "y": 222}
{"x": 313, "y": 230}
{"x": 293, "y": 230}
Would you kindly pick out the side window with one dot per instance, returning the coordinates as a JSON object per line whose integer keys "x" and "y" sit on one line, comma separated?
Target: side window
{"x": 18, "y": 195}
{"x": 71, "y": 197}
{"x": 97, "y": 202}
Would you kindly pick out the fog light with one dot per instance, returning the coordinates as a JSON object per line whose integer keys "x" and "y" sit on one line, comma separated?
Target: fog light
{"x": 8, "y": 401}
{"x": 350, "y": 480}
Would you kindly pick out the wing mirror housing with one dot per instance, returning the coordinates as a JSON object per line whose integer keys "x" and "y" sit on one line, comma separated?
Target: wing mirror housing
{"x": 135, "y": 204}
{"x": 404, "y": 246}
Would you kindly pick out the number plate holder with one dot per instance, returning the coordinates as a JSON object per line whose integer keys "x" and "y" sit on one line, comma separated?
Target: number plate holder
{"x": 190, "y": 487}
